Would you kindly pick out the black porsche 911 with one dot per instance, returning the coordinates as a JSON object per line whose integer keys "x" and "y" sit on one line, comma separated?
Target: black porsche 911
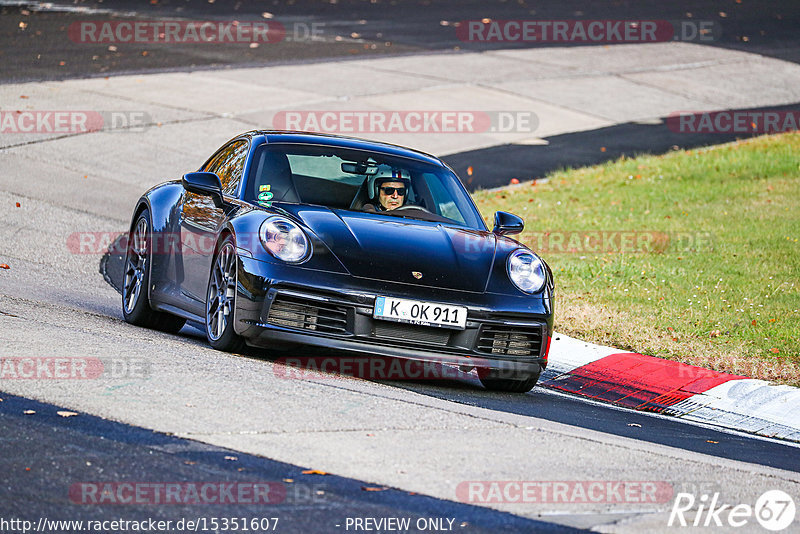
{"x": 287, "y": 238}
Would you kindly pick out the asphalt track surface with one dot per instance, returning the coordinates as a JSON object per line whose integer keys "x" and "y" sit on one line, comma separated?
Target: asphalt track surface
{"x": 579, "y": 149}
{"x": 45, "y": 50}
{"x": 61, "y": 452}
{"x": 393, "y": 26}
{"x": 565, "y": 409}
{"x": 44, "y": 454}
{"x": 100, "y": 450}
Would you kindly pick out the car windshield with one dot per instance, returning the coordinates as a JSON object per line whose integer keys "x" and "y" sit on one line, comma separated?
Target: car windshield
{"x": 349, "y": 179}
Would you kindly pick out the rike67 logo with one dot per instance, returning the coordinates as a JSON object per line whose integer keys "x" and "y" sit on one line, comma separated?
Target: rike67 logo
{"x": 774, "y": 510}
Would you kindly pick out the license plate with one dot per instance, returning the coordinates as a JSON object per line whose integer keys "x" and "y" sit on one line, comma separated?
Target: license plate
{"x": 421, "y": 313}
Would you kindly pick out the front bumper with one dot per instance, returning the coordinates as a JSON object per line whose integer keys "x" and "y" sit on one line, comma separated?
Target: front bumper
{"x": 281, "y": 305}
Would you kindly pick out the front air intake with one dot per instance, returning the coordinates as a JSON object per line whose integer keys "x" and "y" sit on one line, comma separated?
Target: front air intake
{"x": 307, "y": 314}
{"x": 513, "y": 341}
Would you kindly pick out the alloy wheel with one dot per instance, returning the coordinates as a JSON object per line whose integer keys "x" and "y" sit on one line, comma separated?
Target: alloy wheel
{"x": 221, "y": 292}
{"x": 135, "y": 265}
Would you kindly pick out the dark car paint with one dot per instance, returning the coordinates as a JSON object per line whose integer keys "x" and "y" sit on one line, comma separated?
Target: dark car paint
{"x": 459, "y": 265}
{"x": 390, "y": 248}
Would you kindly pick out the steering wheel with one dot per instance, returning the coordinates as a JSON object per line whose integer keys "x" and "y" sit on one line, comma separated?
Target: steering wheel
{"x": 411, "y": 207}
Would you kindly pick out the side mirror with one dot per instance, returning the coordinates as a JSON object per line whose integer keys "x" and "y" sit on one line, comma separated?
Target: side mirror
{"x": 204, "y": 183}
{"x": 507, "y": 223}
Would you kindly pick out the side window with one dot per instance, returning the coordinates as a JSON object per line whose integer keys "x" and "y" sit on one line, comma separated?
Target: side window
{"x": 229, "y": 165}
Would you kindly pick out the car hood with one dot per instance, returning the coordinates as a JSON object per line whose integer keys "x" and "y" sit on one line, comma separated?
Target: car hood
{"x": 397, "y": 249}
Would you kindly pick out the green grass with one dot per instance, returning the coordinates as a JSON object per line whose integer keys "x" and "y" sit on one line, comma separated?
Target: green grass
{"x": 719, "y": 285}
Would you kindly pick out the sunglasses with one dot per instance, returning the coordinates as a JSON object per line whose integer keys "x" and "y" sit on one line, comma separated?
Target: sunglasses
{"x": 389, "y": 191}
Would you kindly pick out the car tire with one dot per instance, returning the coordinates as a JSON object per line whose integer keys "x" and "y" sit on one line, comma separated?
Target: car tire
{"x": 136, "y": 278}
{"x": 221, "y": 299}
{"x": 492, "y": 382}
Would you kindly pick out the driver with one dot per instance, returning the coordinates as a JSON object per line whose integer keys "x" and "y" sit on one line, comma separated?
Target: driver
{"x": 391, "y": 189}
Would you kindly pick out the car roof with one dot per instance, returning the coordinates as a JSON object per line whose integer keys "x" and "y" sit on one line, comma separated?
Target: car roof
{"x": 310, "y": 138}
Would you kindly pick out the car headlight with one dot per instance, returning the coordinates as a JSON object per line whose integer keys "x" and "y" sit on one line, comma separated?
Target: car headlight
{"x": 526, "y": 271}
{"x": 284, "y": 239}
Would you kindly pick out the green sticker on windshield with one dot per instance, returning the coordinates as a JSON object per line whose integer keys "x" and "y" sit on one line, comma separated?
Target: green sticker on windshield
{"x": 264, "y": 204}
{"x": 265, "y": 195}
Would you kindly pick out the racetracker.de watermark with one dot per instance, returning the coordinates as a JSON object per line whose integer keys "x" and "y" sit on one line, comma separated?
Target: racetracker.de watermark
{"x": 175, "y": 32}
{"x": 72, "y": 368}
{"x": 619, "y": 242}
{"x": 565, "y": 491}
{"x": 596, "y": 242}
{"x": 374, "y": 368}
{"x": 549, "y": 242}
{"x": 139, "y": 493}
{"x": 190, "y": 32}
{"x": 163, "y": 243}
{"x": 586, "y": 31}
{"x": 734, "y": 121}
{"x": 72, "y": 121}
{"x": 406, "y": 121}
